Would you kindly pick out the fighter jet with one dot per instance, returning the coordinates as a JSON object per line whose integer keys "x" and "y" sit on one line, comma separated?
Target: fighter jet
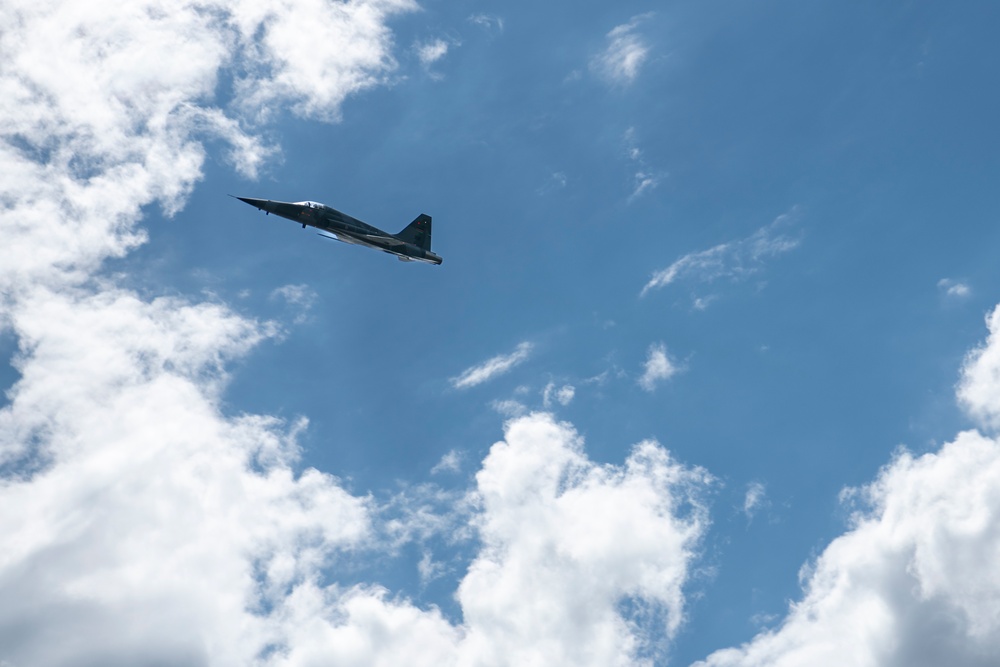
{"x": 413, "y": 243}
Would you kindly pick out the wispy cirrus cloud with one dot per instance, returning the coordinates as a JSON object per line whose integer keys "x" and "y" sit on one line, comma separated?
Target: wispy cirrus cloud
{"x": 755, "y": 499}
{"x": 562, "y": 395}
{"x": 300, "y": 297}
{"x": 645, "y": 179}
{"x": 509, "y": 407}
{"x": 626, "y": 51}
{"x": 450, "y": 462}
{"x": 492, "y": 367}
{"x": 954, "y": 288}
{"x": 488, "y": 21}
{"x": 735, "y": 260}
{"x": 432, "y": 51}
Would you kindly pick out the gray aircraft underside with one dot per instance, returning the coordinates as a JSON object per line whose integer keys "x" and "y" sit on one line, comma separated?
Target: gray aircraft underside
{"x": 413, "y": 243}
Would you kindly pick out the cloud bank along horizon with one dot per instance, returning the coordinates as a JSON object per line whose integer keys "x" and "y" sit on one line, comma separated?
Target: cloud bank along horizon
{"x": 141, "y": 523}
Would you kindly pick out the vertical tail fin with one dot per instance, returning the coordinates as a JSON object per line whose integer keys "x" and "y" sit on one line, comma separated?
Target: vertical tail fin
{"x": 418, "y": 232}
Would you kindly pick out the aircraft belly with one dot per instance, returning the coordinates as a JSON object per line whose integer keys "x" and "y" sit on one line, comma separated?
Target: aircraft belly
{"x": 347, "y": 237}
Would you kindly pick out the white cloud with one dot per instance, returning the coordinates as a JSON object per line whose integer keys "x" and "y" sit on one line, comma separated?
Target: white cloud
{"x": 563, "y": 395}
{"x": 735, "y": 260}
{"x": 313, "y": 54}
{"x": 702, "y": 302}
{"x": 644, "y": 179}
{"x": 488, "y": 21}
{"x": 644, "y": 182}
{"x": 556, "y": 181}
{"x": 298, "y": 295}
{"x": 564, "y": 542}
{"x": 954, "y": 288}
{"x": 138, "y": 523}
{"x": 979, "y": 388}
{"x": 105, "y": 108}
{"x": 450, "y": 462}
{"x": 491, "y": 368}
{"x": 551, "y": 521}
{"x": 916, "y": 581}
{"x": 756, "y": 497}
{"x": 431, "y": 52}
{"x": 429, "y": 569}
{"x": 658, "y": 367}
{"x": 301, "y": 297}
{"x": 626, "y": 51}
{"x": 174, "y": 551}
{"x": 510, "y": 408}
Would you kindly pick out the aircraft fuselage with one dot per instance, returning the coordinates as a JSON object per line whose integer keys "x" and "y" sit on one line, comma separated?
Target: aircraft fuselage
{"x": 413, "y": 243}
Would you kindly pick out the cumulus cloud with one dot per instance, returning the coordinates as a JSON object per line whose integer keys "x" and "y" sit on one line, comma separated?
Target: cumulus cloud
{"x": 563, "y": 543}
{"x": 658, "y": 367}
{"x": 105, "y": 108}
{"x": 311, "y": 54}
{"x": 137, "y": 520}
{"x": 979, "y": 387}
{"x": 140, "y": 523}
{"x": 735, "y": 260}
{"x": 624, "y": 55}
{"x": 491, "y": 368}
{"x": 915, "y": 582}
{"x": 550, "y": 520}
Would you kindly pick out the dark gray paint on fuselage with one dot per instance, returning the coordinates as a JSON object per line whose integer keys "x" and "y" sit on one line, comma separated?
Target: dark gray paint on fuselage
{"x": 413, "y": 243}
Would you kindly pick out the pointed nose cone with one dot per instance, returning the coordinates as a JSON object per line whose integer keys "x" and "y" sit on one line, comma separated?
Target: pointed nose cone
{"x": 262, "y": 204}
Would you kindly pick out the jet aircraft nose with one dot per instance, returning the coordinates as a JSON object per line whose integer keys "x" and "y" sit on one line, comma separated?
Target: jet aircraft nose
{"x": 262, "y": 204}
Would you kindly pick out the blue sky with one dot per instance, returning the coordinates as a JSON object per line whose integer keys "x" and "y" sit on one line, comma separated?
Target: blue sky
{"x": 759, "y": 238}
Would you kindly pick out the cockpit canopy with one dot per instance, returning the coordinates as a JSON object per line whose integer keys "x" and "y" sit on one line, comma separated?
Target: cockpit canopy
{"x": 311, "y": 204}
